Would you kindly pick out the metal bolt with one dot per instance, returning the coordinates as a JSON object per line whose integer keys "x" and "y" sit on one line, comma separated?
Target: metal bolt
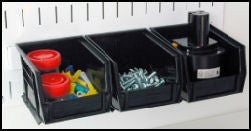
{"x": 162, "y": 81}
{"x": 141, "y": 71}
{"x": 135, "y": 86}
{"x": 137, "y": 78}
{"x": 129, "y": 89}
{"x": 127, "y": 76}
{"x": 129, "y": 84}
{"x": 150, "y": 85}
{"x": 145, "y": 72}
{"x": 156, "y": 79}
{"x": 144, "y": 79}
{"x": 131, "y": 70}
{"x": 128, "y": 81}
{"x": 122, "y": 79}
{"x": 144, "y": 85}
{"x": 151, "y": 75}
{"x": 121, "y": 84}
{"x": 139, "y": 82}
{"x": 136, "y": 69}
{"x": 151, "y": 80}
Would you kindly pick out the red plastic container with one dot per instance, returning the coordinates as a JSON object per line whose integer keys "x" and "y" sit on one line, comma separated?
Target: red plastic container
{"x": 55, "y": 84}
{"x": 45, "y": 59}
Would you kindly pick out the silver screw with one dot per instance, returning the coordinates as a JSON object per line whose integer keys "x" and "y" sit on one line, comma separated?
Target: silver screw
{"x": 129, "y": 89}
{"x": 141, "y": 71}
{"x": 139, "y": 82}
{"x": 150, "y": 85}
{"x": 156, "y": 78}
{"x": 162, "y": 81}
{"x": 137, "y": 78}
{"x": 122, "y": 79}
{"x": 144, "y": 85}
{"x": 129, "y": 84}
{"x": 128, "y": 81}
{"x": 136, "y": 69}
{"x": 151, "y": 75}
{"x": 135, "y": 86}
{"x": 145, "y": 72}
{"x": 127, "y": 76}
{"x": 131, "y": 70}
{"x": 151, "y": 80}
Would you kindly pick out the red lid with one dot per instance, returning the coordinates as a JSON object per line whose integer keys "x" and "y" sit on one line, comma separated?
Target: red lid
{"x": 45, "y": 59}
{"x": 55, "y": 84}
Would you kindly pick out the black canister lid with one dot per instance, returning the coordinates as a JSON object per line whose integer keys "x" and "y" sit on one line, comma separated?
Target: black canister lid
{"x": 200, "y": 27}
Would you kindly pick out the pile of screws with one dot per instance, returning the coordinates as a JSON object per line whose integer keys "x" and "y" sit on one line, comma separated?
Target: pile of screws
{"x": 138, "y": 78}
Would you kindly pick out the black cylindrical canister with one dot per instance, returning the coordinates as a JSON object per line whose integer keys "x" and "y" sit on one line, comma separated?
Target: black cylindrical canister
{"x": 200, "y": 26}
{"x": 206, "y": 65}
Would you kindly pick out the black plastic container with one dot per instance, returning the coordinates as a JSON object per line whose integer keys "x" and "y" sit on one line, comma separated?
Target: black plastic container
{"x": 138, "y": 48}
{"x": 74, "y": 51}
{"x": 233, "y": 64}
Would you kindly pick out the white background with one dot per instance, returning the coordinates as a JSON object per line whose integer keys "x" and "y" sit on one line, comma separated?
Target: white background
{"x": 233, "y": 18}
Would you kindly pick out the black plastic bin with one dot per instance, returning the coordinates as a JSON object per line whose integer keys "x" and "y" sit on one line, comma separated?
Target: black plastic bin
{"x": 79, "y": 53}
{"x": 137, "y": 48}
{"x": 233, "y": 66}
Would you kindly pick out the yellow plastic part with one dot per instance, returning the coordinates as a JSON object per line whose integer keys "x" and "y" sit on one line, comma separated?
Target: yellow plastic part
{"x": 72, "y": 88}
{"x": 92, "y": 91}
{"x": 75, "y": 76}
{"x": 81, "y": 82}
{"x": 67, "y": 74}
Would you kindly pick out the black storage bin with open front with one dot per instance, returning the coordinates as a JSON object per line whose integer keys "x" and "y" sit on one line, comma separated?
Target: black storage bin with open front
{"x": 137, "y": 48}
{"x": 74, "y": 51}
{"x": 233, "y": 65}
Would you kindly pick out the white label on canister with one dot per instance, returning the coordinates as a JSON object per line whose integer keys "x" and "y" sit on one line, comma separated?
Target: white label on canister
{"x": 208, "y": 73}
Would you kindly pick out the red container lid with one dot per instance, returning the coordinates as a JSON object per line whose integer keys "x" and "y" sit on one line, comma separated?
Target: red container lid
{"x": 45, "y": 59}
{"x": 55, "y": 84}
